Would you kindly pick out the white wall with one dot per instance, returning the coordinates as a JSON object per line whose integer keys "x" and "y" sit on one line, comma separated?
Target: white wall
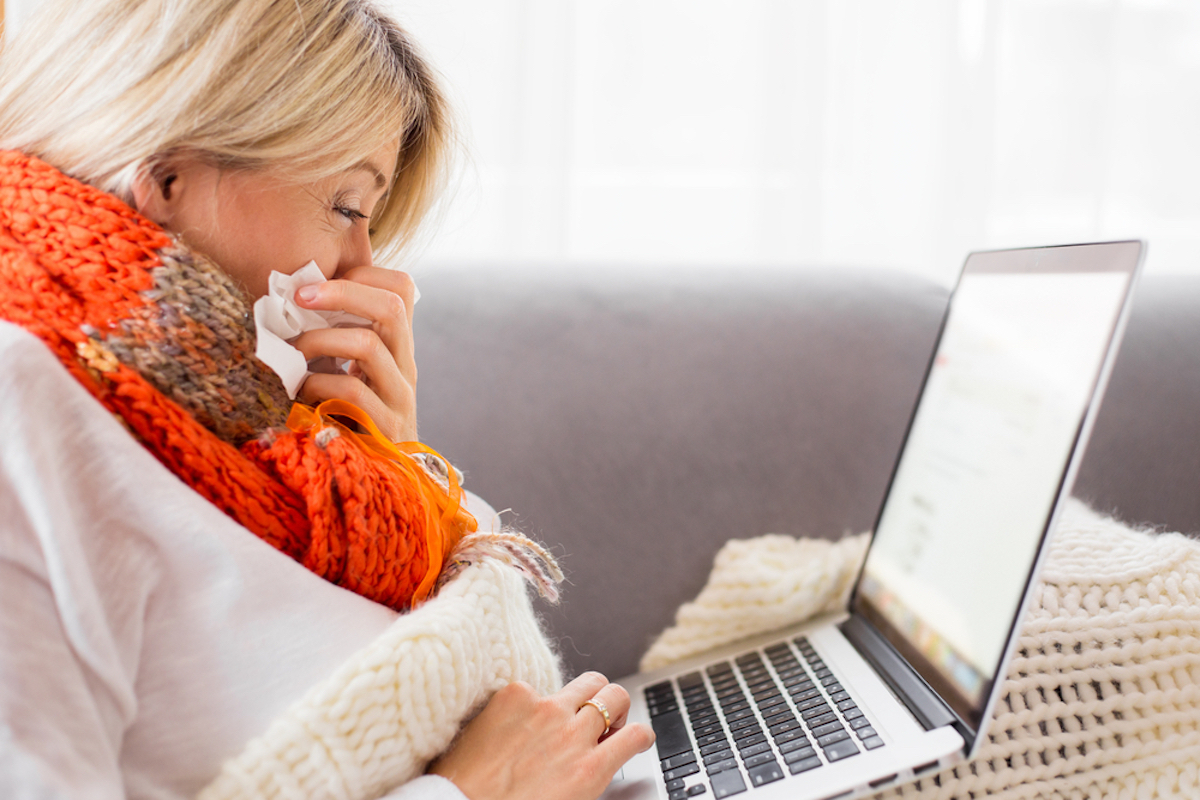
{"x": 742, "y": 134}
{"x": 760, "y": 134}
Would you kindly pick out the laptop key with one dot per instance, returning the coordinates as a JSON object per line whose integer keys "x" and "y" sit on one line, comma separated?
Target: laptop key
{"x": 828, "y": 728}
{"x": 717, "y": 756}
{"x": 715, "y": 747}
{"x": 833, "y": 738}
{"x": 778, "y": 716}
{"x": 704, "y": 741}
{"x": 767, "y": 703}
{"x": 821, "y": 721}
{"x": 723, "y": 765}
{"x": 815, "y": 710}
{"x": 725, "y": 784}
{"x": 853, "y": 713}
{"x": 672, "y": 736}
{"x": 785, "y": 737}
{"x": 744, "y": 722}
{"x": 864, "y": 733}
{"x": 755, "y": 749}
{"x": 800, "y": 695}
{"x": 783, "y": 727}
{"x": 792, "y": 745}
{"x": 741, "y": 713}
{"x": 699, "y": 788}
{"x": 872, "y": 742}
{"x": 796, "y": 767}
{"x": 747, "y": 741}
{"x": 677, "y": 783}
{"x": 763, "y": 774}
{"x": 839, "y": 750}
{"x": 811, "y": 702}
{"x": 798, "y": 754}
{"x": 859, "y": 721}
{"x": 763, "y": 692}
{"x": 678, "y": 761}
{"x": 681, "y": 772}
{"x": 758, "y": 759}
{"x": 678, "y": 794}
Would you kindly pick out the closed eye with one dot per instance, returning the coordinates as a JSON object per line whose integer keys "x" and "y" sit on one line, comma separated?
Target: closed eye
{"x": 352, "y": 214}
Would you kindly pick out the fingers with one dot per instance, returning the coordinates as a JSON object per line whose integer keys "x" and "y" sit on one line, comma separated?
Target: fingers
{"x": 622, "y": 745}
{"x": 614, "y": 700}
{"x": 383, "y": 296}
{"x": 522, "y": 745}
{"x": 620, "y": 742}
{"x": 386, "y": 373}
{"x": 582, "y": 689}
{"x": 397, "y": 426}
{"x": 383, "y": 377}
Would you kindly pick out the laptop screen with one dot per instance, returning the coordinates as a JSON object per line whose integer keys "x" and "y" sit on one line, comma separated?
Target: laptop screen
{"x": 1012, "y": 379}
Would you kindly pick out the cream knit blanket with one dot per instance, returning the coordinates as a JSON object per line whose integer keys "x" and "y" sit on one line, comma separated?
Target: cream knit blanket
{"x": 399, "y": 702}
{"x": 1102, "y": 698}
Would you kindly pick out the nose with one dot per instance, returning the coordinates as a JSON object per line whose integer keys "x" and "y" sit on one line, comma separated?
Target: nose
{"x": 356, "y": 250}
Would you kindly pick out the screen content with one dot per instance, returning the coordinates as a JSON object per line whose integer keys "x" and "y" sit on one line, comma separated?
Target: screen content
{"x": 1007, "y": 391}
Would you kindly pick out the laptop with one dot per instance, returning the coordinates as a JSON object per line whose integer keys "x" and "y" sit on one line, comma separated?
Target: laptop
{"x": 904, "y": 683}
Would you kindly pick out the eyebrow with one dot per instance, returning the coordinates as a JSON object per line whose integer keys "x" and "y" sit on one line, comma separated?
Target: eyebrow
{"x": 366, "y": 166}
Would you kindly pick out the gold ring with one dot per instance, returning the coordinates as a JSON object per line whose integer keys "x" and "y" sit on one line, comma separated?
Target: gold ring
{"x": 603, "y": 709}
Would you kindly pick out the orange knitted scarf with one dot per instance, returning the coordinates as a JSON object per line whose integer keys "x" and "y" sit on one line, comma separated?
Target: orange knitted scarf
{"x": 165, "y": 340}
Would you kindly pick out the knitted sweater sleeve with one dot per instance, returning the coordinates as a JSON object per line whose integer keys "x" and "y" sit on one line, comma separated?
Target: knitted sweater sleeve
{"x": 398, "y": 703}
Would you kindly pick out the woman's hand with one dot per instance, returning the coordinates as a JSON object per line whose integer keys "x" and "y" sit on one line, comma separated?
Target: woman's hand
{"x": 383, "y": 382}
{"x": 524, "y": 746}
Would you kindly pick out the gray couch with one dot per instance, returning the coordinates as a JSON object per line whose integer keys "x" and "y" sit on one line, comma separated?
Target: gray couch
{"x": 635, "y": 426}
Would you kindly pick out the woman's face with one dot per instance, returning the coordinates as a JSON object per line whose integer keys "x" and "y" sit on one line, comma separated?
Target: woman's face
{"x": 253, "y": 222}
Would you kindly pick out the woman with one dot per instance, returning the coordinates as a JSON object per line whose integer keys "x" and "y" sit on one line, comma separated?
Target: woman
{"x": 163, "y": 160}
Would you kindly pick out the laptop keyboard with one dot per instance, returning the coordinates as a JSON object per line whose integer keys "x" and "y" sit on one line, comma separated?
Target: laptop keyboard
{"x": 753, "y": 721}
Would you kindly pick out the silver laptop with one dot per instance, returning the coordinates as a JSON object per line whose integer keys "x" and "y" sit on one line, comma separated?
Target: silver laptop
{"x": 904, "y": 683}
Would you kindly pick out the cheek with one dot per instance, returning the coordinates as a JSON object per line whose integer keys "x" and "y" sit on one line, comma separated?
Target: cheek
{"x": 259, "y": 239}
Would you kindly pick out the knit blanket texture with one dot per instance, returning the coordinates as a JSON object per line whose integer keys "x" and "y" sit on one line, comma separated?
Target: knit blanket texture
{"x": 164, "y": 339}
{"x": 398, "y": 703}
{"x": 1102, "y": 698}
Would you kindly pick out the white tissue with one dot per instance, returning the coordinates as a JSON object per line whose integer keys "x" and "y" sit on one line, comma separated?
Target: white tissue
{"x": 279, "y": 321}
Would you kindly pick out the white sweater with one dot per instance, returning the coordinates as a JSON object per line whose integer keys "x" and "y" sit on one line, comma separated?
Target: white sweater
{"x": 145, "y": 637}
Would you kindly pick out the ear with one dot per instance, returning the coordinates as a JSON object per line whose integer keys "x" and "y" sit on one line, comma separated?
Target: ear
{"x": 155, "y": 191}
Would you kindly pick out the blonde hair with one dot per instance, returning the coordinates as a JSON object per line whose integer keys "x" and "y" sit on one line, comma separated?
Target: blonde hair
{"x": 104, "y": 89}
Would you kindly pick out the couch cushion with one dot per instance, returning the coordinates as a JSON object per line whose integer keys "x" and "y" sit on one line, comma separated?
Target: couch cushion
{"x": 635, "y": 426}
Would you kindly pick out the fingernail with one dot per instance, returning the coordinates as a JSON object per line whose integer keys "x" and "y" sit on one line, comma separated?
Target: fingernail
{"x": 308, "y": 293}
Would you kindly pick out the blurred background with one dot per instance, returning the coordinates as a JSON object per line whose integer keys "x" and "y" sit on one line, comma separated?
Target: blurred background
{"x": 635, "y": 137}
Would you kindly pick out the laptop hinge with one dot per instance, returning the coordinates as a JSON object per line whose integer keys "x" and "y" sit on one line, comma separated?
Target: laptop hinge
{"x": 913, "y": 692}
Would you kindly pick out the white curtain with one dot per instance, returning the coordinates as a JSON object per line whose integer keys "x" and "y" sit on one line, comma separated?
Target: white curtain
{"x": 718, "y": 135}
{"x": 762, "y": 134}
